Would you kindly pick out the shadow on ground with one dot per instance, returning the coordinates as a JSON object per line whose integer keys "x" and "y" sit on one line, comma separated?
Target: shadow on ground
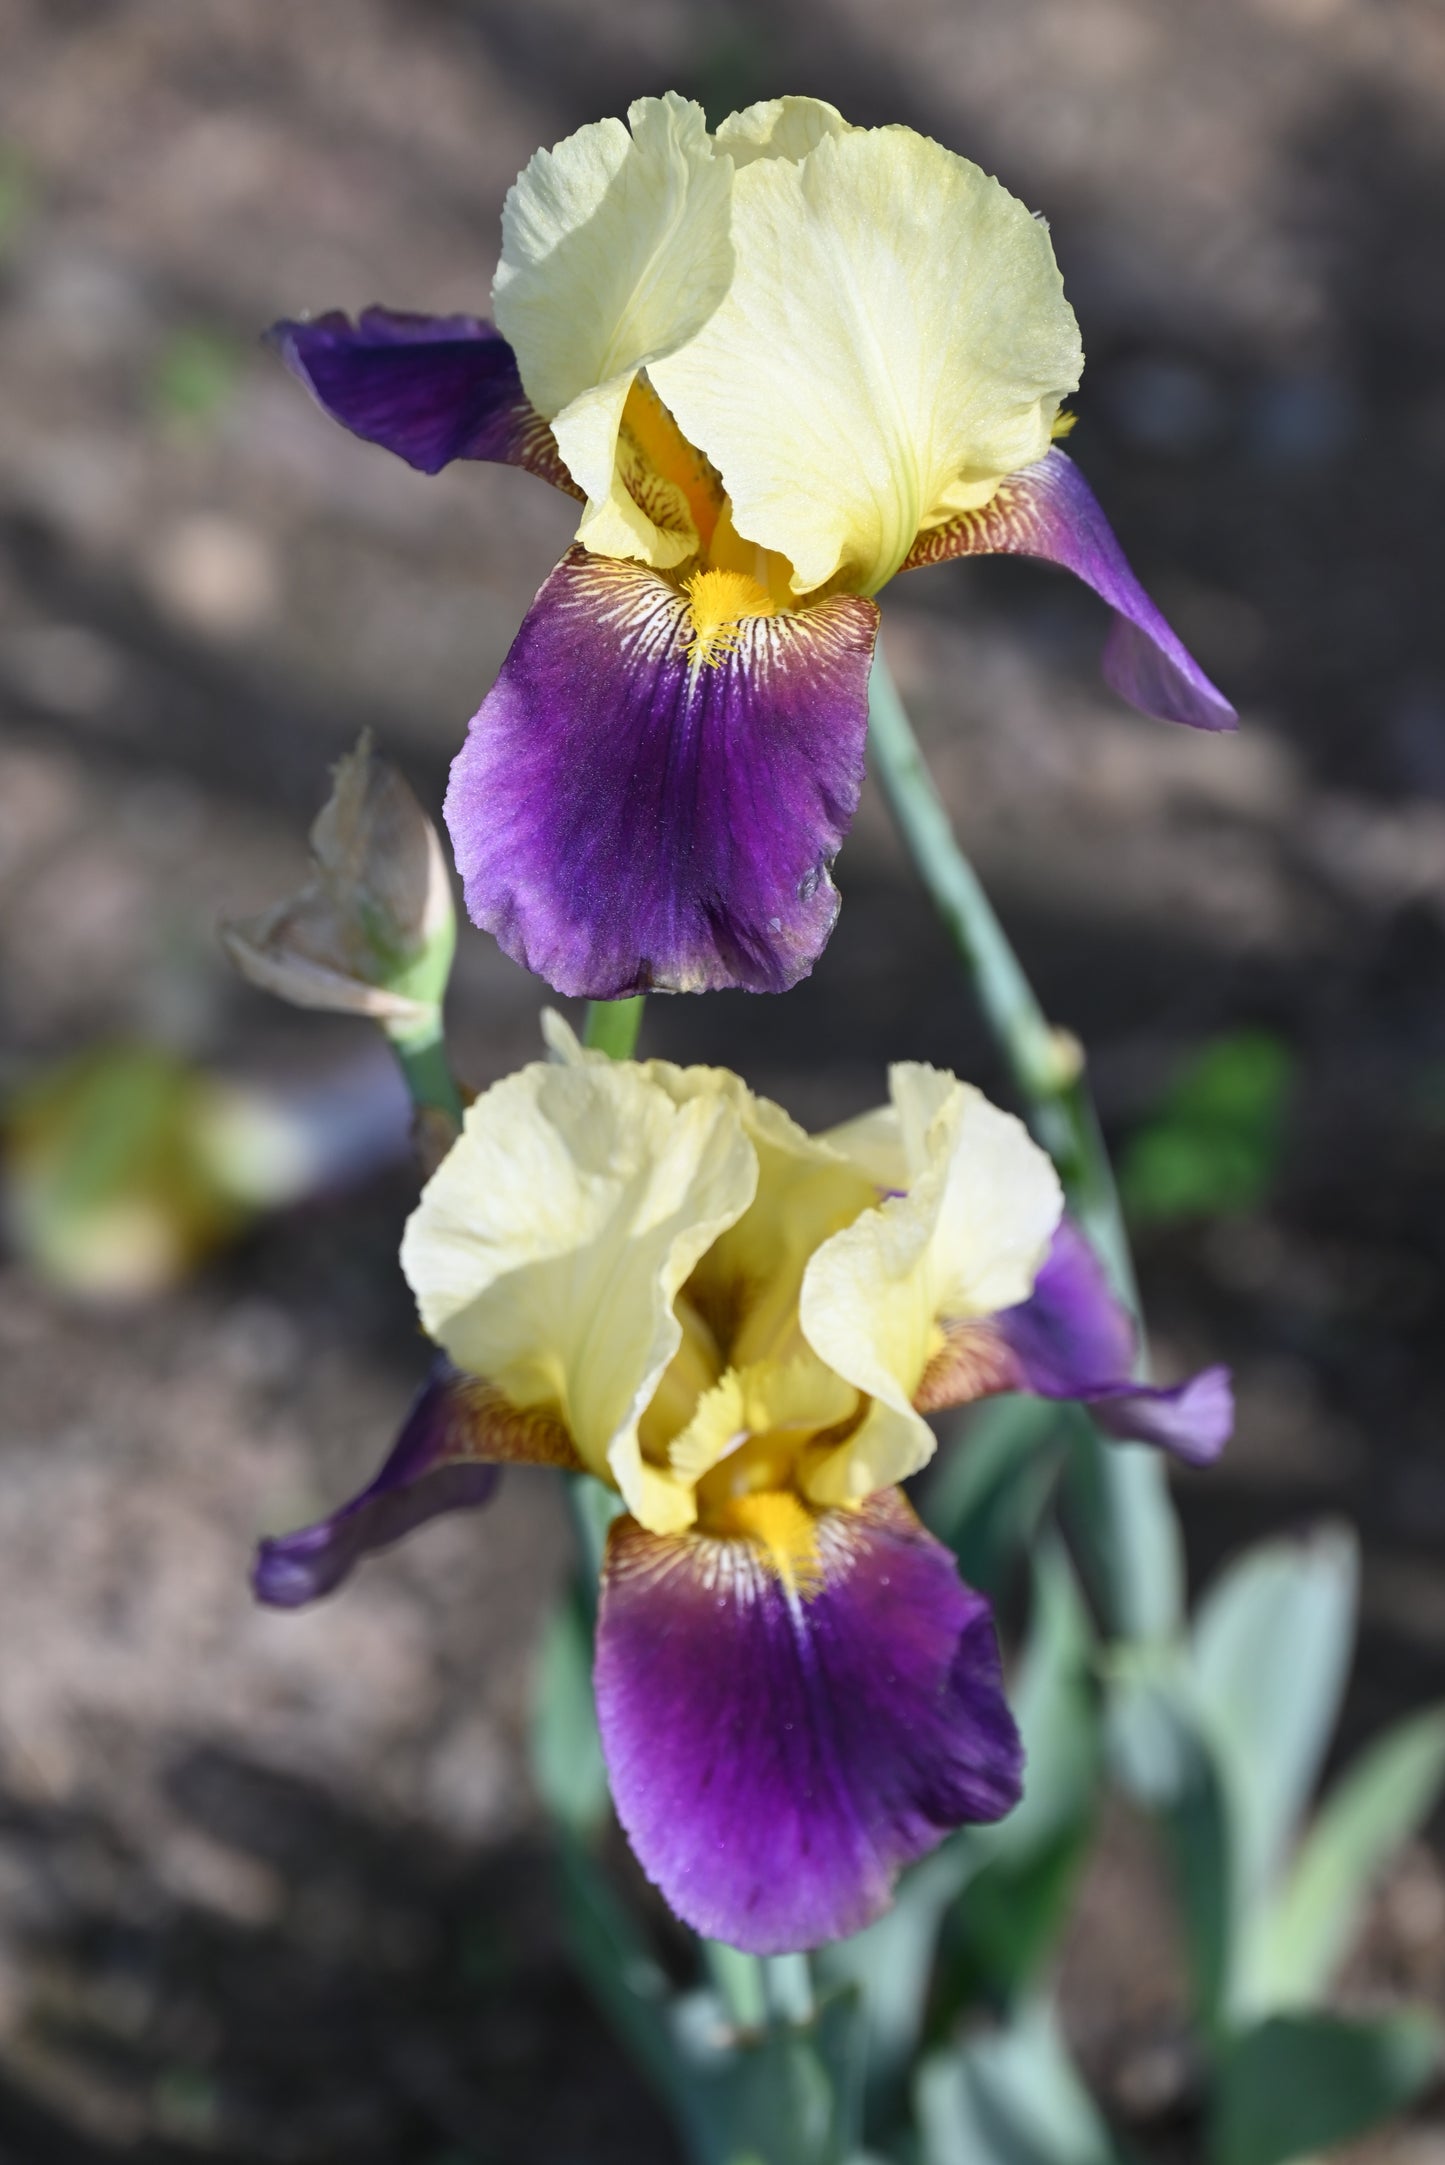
{"x": 349, "y": 1989}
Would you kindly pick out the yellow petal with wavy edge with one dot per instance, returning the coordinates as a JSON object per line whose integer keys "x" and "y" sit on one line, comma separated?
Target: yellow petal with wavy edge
{"x": 895, "y": 340}
{"x": 615, "y": 251}
{"x": 747, "y": 1285}
{"x": 779, "y": 128}
{"x": 966, "y": 1240}
{"x": 547, "y": 1251}
{"x": 873, "y": 1141}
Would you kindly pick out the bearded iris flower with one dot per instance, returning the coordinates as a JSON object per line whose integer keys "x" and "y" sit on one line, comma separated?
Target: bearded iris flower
{"x": 647, "y": 1274}
{"x": 778, "y": 365}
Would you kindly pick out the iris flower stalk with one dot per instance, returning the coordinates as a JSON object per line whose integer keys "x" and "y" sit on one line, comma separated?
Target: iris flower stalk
{"x": 650, "y": 1275}
{"x": 778, "y": 365}
{"x": 1127, "y": 1516}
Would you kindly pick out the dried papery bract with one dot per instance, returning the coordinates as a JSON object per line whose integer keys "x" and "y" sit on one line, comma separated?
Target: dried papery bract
{"x": 372, "y": 932}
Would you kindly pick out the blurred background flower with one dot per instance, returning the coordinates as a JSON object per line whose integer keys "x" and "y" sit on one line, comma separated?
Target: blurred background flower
{"x": 271, "y": 1888}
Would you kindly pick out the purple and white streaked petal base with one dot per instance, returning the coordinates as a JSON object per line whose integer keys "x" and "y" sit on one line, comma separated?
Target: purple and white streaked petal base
{"x": 448, "y": 1457}
{"x": 1049, "y": 510}
{"x": 1073, "y": 1338}
{"x": 430, "y": 388}
{"x": 776, "y": 1756}
{"x": 628, "y": 820}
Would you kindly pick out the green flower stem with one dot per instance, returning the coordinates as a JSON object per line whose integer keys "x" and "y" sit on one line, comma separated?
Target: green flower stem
{"x": 612, "y": 1026}
{"x": 421, "y": 1052}
{"x": 1046, "y": 1064}
{"x": 740, "y": 1984}
{"x": 761, "y": 1989}
{"x": 1130, "y": 1524}
{"x": 789, "y": 1982}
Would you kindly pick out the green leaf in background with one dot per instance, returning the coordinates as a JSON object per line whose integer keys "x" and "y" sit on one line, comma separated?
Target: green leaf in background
{"x": 1003, "y": 1890}
{"x": 786, "y": 2093}
{"x": 625, "y": 1980}
{"x": 1271, "y": 1652}
{"x": 195, "y": 377}
{"x": 793, "y": 2095}
{"x": 1008, "y": 1919}
{"x": 1301, "y": 2084}
{"x": 1010, "y": 2097}
{"x": 1214, "y": 1146}
{"x": 1055, "y": 1703}
{"x": 1008, "y": 1922}
{"x": 592, "y": 1508}
{"x": 892, "y": 1963}
{"x": 1125, "y": 1532}
{"x": 567, "y": 1763}
{"x": 1165, "y": 1759}
{"x": 989, "y": 1485}
{"x": 1378, "y": 1803}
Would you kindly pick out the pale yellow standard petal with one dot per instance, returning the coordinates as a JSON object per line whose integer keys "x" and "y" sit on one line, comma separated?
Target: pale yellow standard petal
{"x": 1001, "y": 1200}
{"x": 895, "y": 340}
{"x": 750, "y": 1280}
{"x": 966, "y": 1240}
{"x": 779, "y": 128}
{"x": 547, "y": 1251}
{"x": 747, "y": 1285}
{"x": 615, "y": 251}
{"x": 873, "y": 1141}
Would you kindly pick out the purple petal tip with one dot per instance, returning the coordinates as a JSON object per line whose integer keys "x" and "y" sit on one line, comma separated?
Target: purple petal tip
{"x": 431, "y": 1468}
{"x": 1162, "y": 679}
{"x": 1193, "y": 1421}
{"x": 1049, "y": 511}
{"x": 1073, "y": 1338}
{"x": 428, "y": 388}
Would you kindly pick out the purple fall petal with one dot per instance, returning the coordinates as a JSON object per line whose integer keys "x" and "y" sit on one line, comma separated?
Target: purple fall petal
{"x": 1193, "y": 1420}
{"x": 1073, "y": 1338}
{"x": 1049, "y": 510}
{"x": 447, "y": 1458}
{"x": 777, "y": 1755}
{"x": 1073, "y": 1335}
{"x": 430, "y": 388}
{"x": 626, "y": 820}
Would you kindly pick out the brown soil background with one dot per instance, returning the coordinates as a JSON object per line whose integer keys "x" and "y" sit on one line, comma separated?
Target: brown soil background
{"x": 273, "y": 1889}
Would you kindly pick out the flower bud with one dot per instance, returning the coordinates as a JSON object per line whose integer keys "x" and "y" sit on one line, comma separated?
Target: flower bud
{"x": 372, "y": 932}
